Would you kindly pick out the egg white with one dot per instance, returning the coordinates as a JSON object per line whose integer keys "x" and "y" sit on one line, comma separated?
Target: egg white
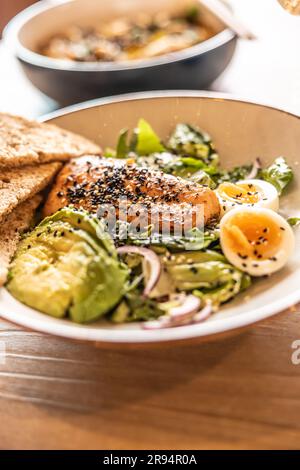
{"x": 266, "y": 192}
{"x": 252, "y": 265}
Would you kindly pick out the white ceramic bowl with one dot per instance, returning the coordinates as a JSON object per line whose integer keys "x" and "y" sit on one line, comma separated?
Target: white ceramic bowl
{"x": 242, "y": 131}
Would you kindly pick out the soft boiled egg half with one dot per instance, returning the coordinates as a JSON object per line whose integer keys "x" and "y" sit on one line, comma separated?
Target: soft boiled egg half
{"x": 247, "y": 193}
{"x": 256, "y": 240}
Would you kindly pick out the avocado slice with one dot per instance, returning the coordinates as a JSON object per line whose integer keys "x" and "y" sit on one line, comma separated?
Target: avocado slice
{"x": 205, "y": 273}
{"x": 68, "y": 266}
{"x": 84, "y": 220}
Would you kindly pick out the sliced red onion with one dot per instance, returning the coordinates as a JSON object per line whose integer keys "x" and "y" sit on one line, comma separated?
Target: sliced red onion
{"x": 255, "y": 169}
{"x": 204, "y": 313}
{"x": 190, "y": 305}
{"x": 152, "y": 259}
{"x": 186, "y": 314}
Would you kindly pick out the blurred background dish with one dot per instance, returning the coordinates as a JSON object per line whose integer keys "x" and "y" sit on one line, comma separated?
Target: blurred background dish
{"x": 69, "y": 82}
{"x": 124, "y": 39}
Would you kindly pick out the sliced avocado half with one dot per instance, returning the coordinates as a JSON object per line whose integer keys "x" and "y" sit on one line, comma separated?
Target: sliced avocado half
{"x": 68, "y": 266}
{"x": 85, "y": 221}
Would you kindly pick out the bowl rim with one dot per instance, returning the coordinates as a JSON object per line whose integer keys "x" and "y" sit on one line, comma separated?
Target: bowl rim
{"x": 153, "y": 94}
{"x": 138, "y": 336}
{"x": 11, "y": 38}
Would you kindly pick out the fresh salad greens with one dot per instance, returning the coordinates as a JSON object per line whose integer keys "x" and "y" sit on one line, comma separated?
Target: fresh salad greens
{"x": 193, "y": 144}
{"x": 194, "y": 263}
{"x": 294, "y": 221}
{"x": 70, "y": 265}
{"x": 136, "y": 308}
{"x": 279, "y": 174}
{"x": 144, "y": 141}
{"x": 190, "y": 153}
{"x": 205, "y": 273}
{"x": 195, "y": 239}
{"x": 147, "y": 141}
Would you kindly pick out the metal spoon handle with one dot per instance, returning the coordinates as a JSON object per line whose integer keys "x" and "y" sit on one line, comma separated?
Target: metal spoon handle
{"x": 221, "y": 11}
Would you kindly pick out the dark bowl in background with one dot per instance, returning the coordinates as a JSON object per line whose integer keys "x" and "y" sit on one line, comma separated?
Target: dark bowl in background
{"x": 71, "y": 82}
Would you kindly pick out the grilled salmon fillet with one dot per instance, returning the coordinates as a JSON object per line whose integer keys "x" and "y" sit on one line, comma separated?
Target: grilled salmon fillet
{"x": 94, "y": 182}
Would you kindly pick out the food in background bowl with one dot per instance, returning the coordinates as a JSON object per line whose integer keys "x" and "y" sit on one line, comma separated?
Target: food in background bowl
{"x": 74, "y": 81}
{"x": 124, "y": 39}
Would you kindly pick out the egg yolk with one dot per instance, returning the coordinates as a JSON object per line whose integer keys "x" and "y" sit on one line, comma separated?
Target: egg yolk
{"x": 253, "y": 236}
{"x": 243, "y": 193}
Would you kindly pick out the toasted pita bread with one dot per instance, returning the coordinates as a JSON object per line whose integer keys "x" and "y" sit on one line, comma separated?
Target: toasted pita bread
{"x": 11, "y": 228}
{"x": 24, "y": 142}
{"x": 19, "y": 184}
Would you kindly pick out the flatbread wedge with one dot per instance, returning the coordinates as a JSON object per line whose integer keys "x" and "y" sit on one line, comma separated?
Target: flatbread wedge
{"x": 24, "y": 142}
{"x": 11, "y": 229}
{"x": 19, "y": 184}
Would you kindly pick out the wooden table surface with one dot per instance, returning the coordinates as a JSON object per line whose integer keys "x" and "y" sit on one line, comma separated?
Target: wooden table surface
{"x": 242, "y": 392}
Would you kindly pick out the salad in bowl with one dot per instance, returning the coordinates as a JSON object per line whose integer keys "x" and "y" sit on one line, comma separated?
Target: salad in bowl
{"x": 153, "y": 231}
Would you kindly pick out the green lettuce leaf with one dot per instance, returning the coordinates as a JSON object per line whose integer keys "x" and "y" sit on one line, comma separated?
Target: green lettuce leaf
{"x": 190, "y": 141}
{"x": 147, "y": 140}
{"x": 202, "y": 177}
{"x": 238, "y": 173}
{"x": 195, "y": 239}
{"x": 294, "y": 221}
{"x": 135, "y": 308}
{"x": 279, "y": 174}
{"x": 109, "y": 153}
{"x": 122, "y": 146}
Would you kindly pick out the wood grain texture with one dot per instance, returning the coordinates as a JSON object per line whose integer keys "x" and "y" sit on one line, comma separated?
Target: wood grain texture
{"x": 242, "y": 392}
